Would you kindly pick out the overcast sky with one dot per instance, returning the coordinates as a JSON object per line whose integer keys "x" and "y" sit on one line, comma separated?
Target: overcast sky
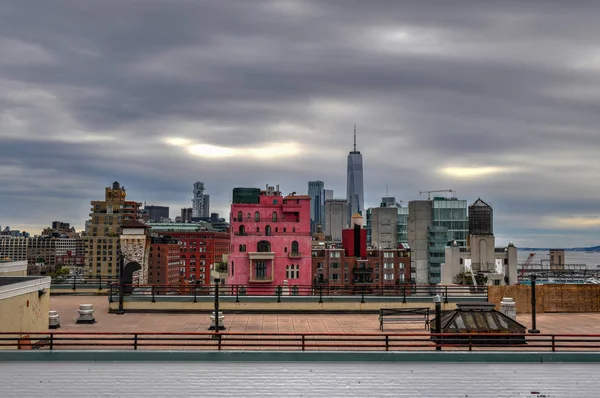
{"x": 493, "y": 99}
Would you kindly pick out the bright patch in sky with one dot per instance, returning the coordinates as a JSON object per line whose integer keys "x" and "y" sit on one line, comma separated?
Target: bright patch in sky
{"x": 269, "y": 151}
{"x": 474, "y": 172}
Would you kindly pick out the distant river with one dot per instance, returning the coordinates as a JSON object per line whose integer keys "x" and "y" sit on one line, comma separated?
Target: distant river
{"x": 590, "y": 259}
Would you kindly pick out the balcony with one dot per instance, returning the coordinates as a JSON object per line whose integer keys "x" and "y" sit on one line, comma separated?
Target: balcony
{"x": 295, "y": 255}
{"x": 261, "y": 279}
{"x": 360, "y": 270}
{"x": 320, "y": 281}
{"x": 362, "y": 281}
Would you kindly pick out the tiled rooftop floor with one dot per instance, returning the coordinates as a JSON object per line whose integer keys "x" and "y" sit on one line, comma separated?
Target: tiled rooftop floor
{"x": 551, "y": 323}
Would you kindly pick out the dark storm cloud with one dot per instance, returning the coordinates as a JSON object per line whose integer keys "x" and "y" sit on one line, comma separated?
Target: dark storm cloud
{"x": 89, "y": 92}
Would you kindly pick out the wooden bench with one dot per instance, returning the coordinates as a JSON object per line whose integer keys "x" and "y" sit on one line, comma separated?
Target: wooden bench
{"x": 401, "y": 315}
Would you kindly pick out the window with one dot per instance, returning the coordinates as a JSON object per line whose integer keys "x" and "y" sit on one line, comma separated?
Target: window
{"x": 388, "y": 277}
{"x": 274, "y": 216}
{"x": 239, "y": 216}
{"x": 257, "y": 229}
{"x": 320, "y": 266}
{"x": 257, "y": 216}
{"x": 335, "y": 277}
{"x": 248, "y": 216}
{"x": 284, "y": 229}
{"x": 274, "y": 201}
{"x": 242, "y": 248}
{"x": 388, "y": 265}
{"x": 292, "y": 271}
{"x": 294, "y": 229}
{"x": 295, "y": 247}
{"x": 334, "y": 254}
{"x": 268, "y": 230}
{"x": 261, "y": 269}
{"x": 263, "y": 246}
{"x": 388, "y": 254}
{"x": 241, "y": 229}
{"x": 335, "y": 265}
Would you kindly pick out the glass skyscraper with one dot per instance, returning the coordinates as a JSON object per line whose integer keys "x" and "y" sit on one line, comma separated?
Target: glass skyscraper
{"x": 354, "y": 183}
{"x": 316, "y": 191}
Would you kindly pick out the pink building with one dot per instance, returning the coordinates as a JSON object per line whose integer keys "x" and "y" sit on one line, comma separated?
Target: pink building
{"x": 270, "y": 239}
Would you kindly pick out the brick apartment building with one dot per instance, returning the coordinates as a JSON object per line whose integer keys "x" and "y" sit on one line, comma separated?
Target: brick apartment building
{"x": 164, "y": 261}
{"x": 199, "y": 251}
{"x": 353, "y": 264}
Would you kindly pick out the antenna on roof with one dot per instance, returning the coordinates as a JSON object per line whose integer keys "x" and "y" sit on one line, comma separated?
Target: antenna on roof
{"x": 355, "y": 138}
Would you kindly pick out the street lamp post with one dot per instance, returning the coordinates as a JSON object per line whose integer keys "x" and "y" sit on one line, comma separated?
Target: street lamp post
{"x": 533, "y": 304}
{"x": 217, "y": 326}
{"x": 121, "y": 256}
{"x": 438, "y": 320}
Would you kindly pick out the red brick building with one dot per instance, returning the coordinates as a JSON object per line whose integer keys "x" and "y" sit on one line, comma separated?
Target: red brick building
{"x": 164, "y": 261}
{"x": 199, "y": 251}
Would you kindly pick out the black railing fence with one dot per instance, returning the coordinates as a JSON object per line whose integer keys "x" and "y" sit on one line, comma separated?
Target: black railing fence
{"x": 405, "y": 292}
{"x": 300, "y": 341}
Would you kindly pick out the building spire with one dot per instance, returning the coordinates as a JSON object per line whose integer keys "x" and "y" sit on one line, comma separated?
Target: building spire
{"x": 355, "y": 138}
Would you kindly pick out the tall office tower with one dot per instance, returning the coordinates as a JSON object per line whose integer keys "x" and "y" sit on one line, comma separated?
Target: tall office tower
{"x": 198, "y": 199}
{"x": 431, "y": 225}
{"x": 107, "y": 218}
{"x": 206, "y": 207}
{"x": 157, "y": 213}
{"x": 317, "y": 204}
{"x": 337, "y": 220}
{"x": 354, "y": 184}
{"x": 186, "y": 214}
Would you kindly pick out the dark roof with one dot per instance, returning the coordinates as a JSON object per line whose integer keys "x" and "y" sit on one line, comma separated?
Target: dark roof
{"x": 135, "y": 224}
{"x": 9, "y": 280}
{"x": 480, "y": 202}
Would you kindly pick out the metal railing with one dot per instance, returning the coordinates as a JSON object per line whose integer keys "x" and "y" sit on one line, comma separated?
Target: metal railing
{"x": 406, "y": 292}
{"x": 224, "y": 341}
{"x": 74, "y": 282}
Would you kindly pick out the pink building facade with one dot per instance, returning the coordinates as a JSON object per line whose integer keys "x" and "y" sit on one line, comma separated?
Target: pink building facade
{"x": 270, "y": 242}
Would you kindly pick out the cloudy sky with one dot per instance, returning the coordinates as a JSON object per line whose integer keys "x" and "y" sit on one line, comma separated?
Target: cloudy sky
{"x": 495, "y": 99}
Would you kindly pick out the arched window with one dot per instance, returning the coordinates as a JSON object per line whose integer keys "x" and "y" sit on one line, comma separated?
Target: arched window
{"x": 274, "y": 216}
{"x": 257, "y": 216}
{"x": 284, "y": 229}
{"x": 263, "y": 246}
{"x": 242, "y": 230}
{"x": 276, "y": 229}
{"x": 239, "y": 216}
{"x": 285, "y": 249}
{"x": 257, "y": 229}
{"x": 268, "y": 230}
{"x": 242, "y": 248}
{"x": 294, "y": 229}
{"x": 248, "y": 216}
{"x": 295, "y": 247}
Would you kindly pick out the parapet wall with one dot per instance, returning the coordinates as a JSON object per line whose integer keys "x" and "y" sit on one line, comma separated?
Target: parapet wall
{"x": 549, "y": 298}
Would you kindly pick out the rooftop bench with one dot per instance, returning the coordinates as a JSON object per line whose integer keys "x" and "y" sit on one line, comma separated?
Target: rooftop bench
{"x": 401, "y": 315}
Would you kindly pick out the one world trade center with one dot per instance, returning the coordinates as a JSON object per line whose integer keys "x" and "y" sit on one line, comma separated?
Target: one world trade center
{"x": 354, "y": 183}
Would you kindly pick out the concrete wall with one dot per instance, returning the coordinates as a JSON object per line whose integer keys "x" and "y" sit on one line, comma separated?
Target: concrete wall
{"x": 298, "y": 379}
{"x": 550, "y": 298}
{"x": 287, "y": 304}
{"x": 13, "y": 268}
{"x": 25, "y": 312}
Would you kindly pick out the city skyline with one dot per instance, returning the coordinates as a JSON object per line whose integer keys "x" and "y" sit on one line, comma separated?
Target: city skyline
{"x": 494, "y": 100}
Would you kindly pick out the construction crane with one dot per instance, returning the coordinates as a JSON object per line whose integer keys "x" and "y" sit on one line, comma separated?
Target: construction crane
{"x": 439, "y": 190}
{"x": 526, "y": 264}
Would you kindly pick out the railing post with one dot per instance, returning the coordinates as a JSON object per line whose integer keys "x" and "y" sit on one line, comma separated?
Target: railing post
{"x": 303, "y": 343}
{"x": 553, "y": 343}
{"x": 278, "y": 289}
{"x": 387, "y": 342}
{"x": 135, "y": 341}
{"x": 153, "y": 298}
{"x": 195, "y": 290}
{"x": 237, "y": 293}
{"x": 74, "y": 282}
{"x": 320, "y": 294}
{"x": 404, "y": 294}
{"x": 51, "y": 341}
{"x": 445, "y": 294}
{"x": 99, "y": 282}
{"x": 110, "y": 293}
{"x": 219, "y": 335}
{"x": 362, "y": 293}
{"x": 470, "y": 342}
